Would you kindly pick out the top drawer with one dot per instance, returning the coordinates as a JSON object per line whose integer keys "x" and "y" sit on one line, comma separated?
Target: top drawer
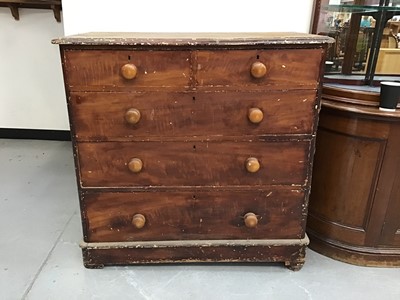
{"x": 98, "y": 70}
{"x": 138, "y": 70}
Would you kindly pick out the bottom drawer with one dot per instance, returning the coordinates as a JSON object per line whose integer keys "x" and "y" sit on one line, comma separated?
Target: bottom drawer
{"x": 193, "y": 215}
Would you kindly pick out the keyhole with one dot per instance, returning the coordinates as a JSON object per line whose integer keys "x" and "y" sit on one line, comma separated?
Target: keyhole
{"x": 194, "y": 197}
{"x": 194, "y": 147}
{"x": 258, "y": 56}
{"x": 194, "y": 98}
{"x": 129, "y": 57}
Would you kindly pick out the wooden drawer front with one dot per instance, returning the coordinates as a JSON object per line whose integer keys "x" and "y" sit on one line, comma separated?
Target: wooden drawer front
{"x": 101, "y": 69}
{"x": 193, "y": 215}
{"x": 193, "y": 163}
{"x": 290, "y": 68}
{"x": 101, "y": 116}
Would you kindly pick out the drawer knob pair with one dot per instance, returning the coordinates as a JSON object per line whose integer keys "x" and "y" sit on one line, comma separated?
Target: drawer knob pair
{"x": 135, "y": 165}
{"x": 138, "y": 221}
{"x": 129, "y": 71}
{"x": 250, "y": 220}
{"x": 132, "y": 116}
{"x": 258, "y": 70}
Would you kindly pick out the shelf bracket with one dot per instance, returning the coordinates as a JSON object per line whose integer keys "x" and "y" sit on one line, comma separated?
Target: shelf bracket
{"x": 14, "y": 10}
{"x": 57, "y": 12}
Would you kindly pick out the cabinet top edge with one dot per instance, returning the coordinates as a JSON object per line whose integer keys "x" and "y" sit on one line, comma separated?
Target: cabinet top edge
{"x": 193, "y": 39}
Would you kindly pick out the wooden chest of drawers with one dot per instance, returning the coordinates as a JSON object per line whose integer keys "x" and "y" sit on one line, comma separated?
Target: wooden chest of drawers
{"x": 193, "y": 147}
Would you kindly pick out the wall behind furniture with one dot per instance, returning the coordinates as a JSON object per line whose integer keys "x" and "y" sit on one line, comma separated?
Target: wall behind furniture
{"x": 177, "y": 15}
{"x": 31, "y": 86}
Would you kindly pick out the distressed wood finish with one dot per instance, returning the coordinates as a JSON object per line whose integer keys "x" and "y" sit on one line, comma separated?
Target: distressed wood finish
{"x": 293, "y": 255}
{"x": 285, "y": 69}
{"x": 188, "y": 163}
{"x": 193, "y": 147}
{"x": 194, "y": 215}
{"x": 355, "y": 204}
{"x": 101, "y": 116}
{"x": 196, "y": 40}
{"x": 101, "y": 69}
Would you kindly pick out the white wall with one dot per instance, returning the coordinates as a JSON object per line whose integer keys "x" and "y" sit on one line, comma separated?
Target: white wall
{"x": 178, "y": 15}
{"x": 31, "y": 87}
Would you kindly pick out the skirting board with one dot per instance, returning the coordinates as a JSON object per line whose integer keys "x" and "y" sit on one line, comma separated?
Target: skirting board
{"x": 35, "y": 134}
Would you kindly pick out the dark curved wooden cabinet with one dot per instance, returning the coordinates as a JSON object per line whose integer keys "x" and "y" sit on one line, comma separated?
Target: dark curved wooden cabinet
{"x": 354, "y": 212}
{"x": 193, "y": 147}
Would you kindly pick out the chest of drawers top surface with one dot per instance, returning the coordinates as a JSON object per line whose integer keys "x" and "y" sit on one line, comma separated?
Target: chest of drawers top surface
{"x": 182, "y": 137}
{"x": 195, "y": 39}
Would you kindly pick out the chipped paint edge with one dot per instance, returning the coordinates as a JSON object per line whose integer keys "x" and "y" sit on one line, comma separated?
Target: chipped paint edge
{"x": 197, "y": 39}
{"x": 197, "y": 243}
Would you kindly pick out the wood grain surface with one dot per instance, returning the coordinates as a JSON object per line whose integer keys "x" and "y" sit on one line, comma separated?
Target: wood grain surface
{"x": 101, "y": 116}
{"x": 286, "y": 69}
{"x": 193, "y": 163}
{"x": 193, "y": 215}
{"x": 354, "y": 211}
{"x": 100, "y": 70}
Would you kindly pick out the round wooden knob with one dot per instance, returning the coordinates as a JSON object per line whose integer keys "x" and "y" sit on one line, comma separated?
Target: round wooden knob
{"x": 135, "y": 165}
{"x": 252, "y": 165}
{"x": 138, "y": 221}
{"x": 250, "y": 220}
{"x": 132, "y": 116}
{"x": 258, "y": 70}
{"x": 255, "y": 115}
{"x": 129, "y": 71}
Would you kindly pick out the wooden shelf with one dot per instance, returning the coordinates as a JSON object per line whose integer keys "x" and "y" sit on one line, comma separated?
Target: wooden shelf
{"x": 15, "y": 5}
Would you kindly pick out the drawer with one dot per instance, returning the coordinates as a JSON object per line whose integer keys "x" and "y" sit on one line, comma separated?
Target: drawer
{"x": 152, "y": 164}
{"x": 107, "y": 116}
{"x": 109, "y": 217}
{"x": 101, "y": 69}
{"x": 284, "y": 69}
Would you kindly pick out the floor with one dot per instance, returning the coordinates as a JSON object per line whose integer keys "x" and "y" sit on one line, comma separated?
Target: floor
{"x": 40, "y": 258}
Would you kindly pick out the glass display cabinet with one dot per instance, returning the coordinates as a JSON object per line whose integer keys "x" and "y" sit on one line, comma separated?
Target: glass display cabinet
{"x": 367, "y": 39}
{"x": 354, "y": 208}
